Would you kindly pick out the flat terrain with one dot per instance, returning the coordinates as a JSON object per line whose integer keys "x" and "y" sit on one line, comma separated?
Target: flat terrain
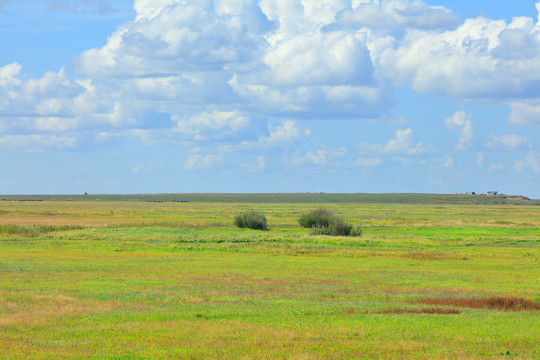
{"x": 126, "y": 277}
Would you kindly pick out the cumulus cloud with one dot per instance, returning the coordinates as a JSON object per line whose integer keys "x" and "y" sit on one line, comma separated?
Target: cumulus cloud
{"x": 482, "y": 58}
{"x": 525, "y": 113}
{"x": 530, "y": 162}
{"x": 211, "y": 70}
{"x": 147, "y": 168}
{"x": 321, "y": 59}
{"x": 169, "y": 37}
{"x": 313, "y": 59}
{"x": 203, "y": 161}
{"x": 447, "y": 162}
{"x": 404, "y": 144}
{"x": 480, "y": 159}
{"x": 283, "y": 136}
{"x": 460, "y": 123}
{"x": 270, "y": 57}
{"x": 38, "y": 143}
{"x": 217, "y": 125}
{"x": 495, "y": 167}
{"x": 321, "y": 157}
{"x": 261, "y": 162}
{"x": 392, "y": 14}
{"x": 50, "y": 95}
{"x": 257, "y": 166}
{"x": 508, "y": 142}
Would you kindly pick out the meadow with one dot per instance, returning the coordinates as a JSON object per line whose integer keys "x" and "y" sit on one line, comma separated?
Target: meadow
{"x": 170, "y": 277}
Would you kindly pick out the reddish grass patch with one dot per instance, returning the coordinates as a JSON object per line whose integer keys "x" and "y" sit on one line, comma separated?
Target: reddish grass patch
{"x": 493, "y": 303}
{"x": 432, "y": 310}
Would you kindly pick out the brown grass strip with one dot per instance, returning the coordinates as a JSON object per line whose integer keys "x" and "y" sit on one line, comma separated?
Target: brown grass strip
{"x": 494, "y": 303}
{"x": 431, "y": 310}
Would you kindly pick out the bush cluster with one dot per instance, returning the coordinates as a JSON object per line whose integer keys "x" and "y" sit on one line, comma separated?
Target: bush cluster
{"x": 316, "y": 218}
{"x": 251, "y": 220}
{"x": 323, "y": 222}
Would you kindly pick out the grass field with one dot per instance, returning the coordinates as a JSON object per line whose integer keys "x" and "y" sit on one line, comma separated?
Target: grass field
{"x": 103, "y": 277}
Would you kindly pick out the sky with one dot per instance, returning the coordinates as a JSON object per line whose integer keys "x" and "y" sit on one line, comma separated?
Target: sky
{"x": 228, "y": 96}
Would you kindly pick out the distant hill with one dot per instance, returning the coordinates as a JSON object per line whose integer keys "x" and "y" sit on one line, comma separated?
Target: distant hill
{"x": 290, "y": 198}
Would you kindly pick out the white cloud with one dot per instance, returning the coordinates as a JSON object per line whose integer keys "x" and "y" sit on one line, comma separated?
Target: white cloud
{"x": 283, "y": 136}
{"x": 286, "y": 134}
{"x": 401, "y": 148}
{"x": 530, "y": 162}
{"x": 261, "y": 162}
{"x": 211, "y": 126}
{"x": 226, "y": 52}
{"x": 259, "y": 165}
{"x": 299, "y": 16}
{"x": 38, "y": 143}
{"x": 526, "y": 113}
{"x": 321, "y": 157}
{"x": 508, "y": 142}
{"x": 482, "y": 58}
{"x": 147, "y": 168}
{"x": 8, "y": 75}
{"x": 321, "y": 59}
{"x": 395, "y": 14}
{"x": 50, "y": 95}
{"x": 496, "y": 167}
{"x": 480, "y": 159}
{"x": 169, "y": 37}
{"x": 328, "y": 102}
{"x": 403, "y": 144}
{"x": 460, "y": 122}
{"x": 203, "y": 161}
{"x": 215, "y": 68}
{"x": 447, "y": 162}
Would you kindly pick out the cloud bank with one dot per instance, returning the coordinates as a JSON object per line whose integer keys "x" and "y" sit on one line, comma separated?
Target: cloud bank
{"x": 241, "y": 74}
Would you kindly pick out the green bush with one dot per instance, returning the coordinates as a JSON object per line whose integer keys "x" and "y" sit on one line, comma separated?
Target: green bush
{"x": 316, "y": 218}
{"x": 251, "y": 220}
{"x": 338, "y": 227}
{"x": 323, "y": 222}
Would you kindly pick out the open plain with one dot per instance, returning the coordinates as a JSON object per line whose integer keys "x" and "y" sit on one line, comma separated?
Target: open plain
{"x": 170, "y": 277}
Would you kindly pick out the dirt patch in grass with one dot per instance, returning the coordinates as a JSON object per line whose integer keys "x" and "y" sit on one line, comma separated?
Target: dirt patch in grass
{"x": 494, "y": 303}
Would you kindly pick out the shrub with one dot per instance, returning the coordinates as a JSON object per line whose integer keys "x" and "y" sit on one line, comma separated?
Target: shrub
{"x": 337, "y": 227}
{"x": 316, "y": 218}
{"x": 323, "y": 222}
{"x": 251, "y": 220}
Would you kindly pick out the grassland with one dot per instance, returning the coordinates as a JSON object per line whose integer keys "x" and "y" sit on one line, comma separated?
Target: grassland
{"x": 123, "y": 278}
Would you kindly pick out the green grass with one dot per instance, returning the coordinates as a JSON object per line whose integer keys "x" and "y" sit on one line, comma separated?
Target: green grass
{"x": 136, "y": 280}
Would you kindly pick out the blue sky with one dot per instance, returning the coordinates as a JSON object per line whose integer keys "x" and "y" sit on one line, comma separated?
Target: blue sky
{"x": 161, "y": 96}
